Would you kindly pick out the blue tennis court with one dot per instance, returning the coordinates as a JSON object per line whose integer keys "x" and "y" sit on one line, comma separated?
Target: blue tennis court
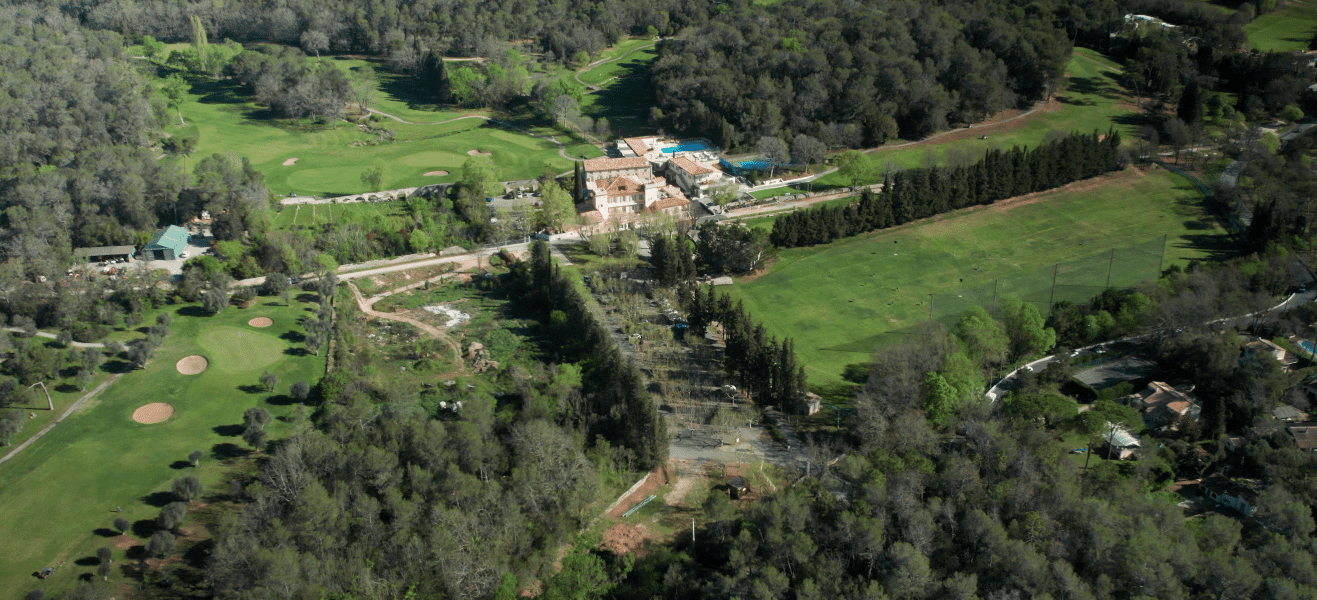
{"x": 695, "y": 146}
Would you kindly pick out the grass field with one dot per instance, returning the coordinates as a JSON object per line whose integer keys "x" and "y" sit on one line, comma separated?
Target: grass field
{"x": 60, "y": 493}
{"x": 224, "y": 120}
{"x": 625, "y": 95}
{"x": 1093, "y": 100}
{"x": 308, "y": 215}
{"x": 1286, "y": 29}
{"x": 879, "y": 284}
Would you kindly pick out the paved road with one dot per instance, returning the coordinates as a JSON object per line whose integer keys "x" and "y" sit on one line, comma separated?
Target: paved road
{"x": 1012, "y": 380}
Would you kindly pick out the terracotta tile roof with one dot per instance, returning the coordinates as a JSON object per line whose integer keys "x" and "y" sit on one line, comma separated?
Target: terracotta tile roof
{"x": 637, "y": 145}
{"x": 1306, "y": 437}
{"x": 593, "y": 216}
{"x": 689, "y": 166}
{"x": 670, "y": 203}
{"x": 621, "y": 186}
{"x": 610, "y": 164}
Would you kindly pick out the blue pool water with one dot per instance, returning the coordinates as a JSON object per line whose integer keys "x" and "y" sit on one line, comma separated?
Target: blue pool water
{"x": 1308, "y": 346}
{"x": 696, "y": 146}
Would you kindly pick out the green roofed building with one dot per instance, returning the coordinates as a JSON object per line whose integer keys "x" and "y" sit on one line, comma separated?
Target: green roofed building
{"x": 168, "y": 244}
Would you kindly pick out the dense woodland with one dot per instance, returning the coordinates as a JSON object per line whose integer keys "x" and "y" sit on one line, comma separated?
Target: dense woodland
{"x": 918, "y": 193}
{"x": 858, "y": 74}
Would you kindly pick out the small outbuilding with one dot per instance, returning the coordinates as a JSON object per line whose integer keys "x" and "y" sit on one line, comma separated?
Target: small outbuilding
{"x": 106, "y": 253}
{"x": 738, "y": 487}
{"x": 168, "y": 244}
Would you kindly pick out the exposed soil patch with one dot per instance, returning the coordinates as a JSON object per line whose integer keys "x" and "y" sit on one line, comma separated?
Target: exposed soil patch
{"x": 154, "y": 412}
{"x": 192, "y": 365}
{"x": 657, "y": 478}
{"x": 477, "y": 152}
{"x": 623, "y": 538}
{"x": 436, "y": 174}
{"x": 679, "y": 490}
{"x": 261, "y": 322}
{"x": 290, "y": 162}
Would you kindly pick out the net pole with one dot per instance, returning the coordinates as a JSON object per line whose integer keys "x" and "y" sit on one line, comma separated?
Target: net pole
{"x": 1111, "y": 262}
{"x": 1051, "y": 300}
{"x": 1161, "y": 259}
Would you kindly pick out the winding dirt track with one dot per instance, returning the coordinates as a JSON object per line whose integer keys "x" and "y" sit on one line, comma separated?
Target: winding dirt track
{"x": 366, "y": 306}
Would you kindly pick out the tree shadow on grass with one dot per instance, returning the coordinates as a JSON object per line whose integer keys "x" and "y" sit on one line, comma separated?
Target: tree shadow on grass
{"x": 106, "y": 532}
{"x": 228, "y": 430}
{"x": 226, "y": 450}
{"x": 158, "y": 499}
{"x": 179, "y": 465}
{"x": 193, "y": 311}
{"x": 295, "y": 337}
{"x": 87, "y": 561}
{"x": 117, "y": 366}
{"x": 253, "y": 389}
{"x": 296, "y": 352}
{"x": 66, "y": 388}
{"x": 197, "y": 555}
{"x": 308, "y": 297}
{"x": 281, "y": 400}
{"x": 143, "y": 528}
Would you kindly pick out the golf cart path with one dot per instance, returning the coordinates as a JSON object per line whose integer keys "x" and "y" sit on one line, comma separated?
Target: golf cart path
{"x": 366, "y": 307}
{"x": 47, "y": 334}
{"x": 67, "y": 412}
{"x": 562, "y": 149}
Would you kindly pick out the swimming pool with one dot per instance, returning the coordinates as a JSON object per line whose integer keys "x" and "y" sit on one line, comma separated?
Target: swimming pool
{"x": 695, "y": 146}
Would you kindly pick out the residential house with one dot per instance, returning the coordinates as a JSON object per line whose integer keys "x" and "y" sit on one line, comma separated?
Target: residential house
{"x": 1259, "y": 346}
{"x": 1286, "y": 412}
{"x": 1227, "y": 492}
{"x": 1305, "y": 436}
{"x": 811, "y": 404}
{"x": 1163, "y": 405}
{"x": 1121, "y": 444}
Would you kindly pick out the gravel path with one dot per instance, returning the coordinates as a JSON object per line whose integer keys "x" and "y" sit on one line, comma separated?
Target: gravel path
{"x": 366, "y": 307}
{"x": 52, "y": 424}
{"x": 47, "y": 334}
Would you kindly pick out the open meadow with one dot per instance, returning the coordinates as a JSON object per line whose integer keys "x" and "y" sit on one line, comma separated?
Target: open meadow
{"x": 879, "y": 284}
{"x": 60, "y": 494}
{"x": 1288, "y": 28}
{"x": 1093, "y": 100}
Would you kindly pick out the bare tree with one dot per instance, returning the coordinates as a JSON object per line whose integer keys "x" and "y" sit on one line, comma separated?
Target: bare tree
{"x": 300, "y": 391}
{"x": 122, "y": 525}
{"x": 269, "y": 380}
{"x": 161, "y": 544}
{"x": 807, "y": 150}
{"x": 195, "y": 458}
{"x": 315, "y": 42}
{"x": 774, "y": 150}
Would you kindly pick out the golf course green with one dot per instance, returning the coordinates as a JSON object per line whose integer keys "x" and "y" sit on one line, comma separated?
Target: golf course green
{"x": 842, "y": 300}
{"x": 61, "y": 493}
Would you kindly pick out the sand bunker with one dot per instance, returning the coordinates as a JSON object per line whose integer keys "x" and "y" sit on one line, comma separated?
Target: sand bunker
{"x": 191, "y": 365}
{"x": 154, "y": 412}
{"x": 261, "y": 322}
{"x": 454, "y": 316}
{"x": 476, "y": 152}
{"x": 290, "y": 162}
{"x": 436, "y": 174}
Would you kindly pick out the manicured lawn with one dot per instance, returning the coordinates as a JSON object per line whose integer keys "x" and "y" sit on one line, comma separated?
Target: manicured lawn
{"x": 60, "y": 494}
{"x": 625, "y": 95}
{"x": 225, "y": 120}
{"x": 1285, "y": 29}
{"x": 1092, "y": 101}
{"x": 876, "y": 286}
{"x": 631, "y": 56}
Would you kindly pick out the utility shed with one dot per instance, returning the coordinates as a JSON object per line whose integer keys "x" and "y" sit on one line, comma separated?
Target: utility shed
{"x": 106, "y": 253}
{"x": 738, "y": 487}
{"x": 168, "y": 244}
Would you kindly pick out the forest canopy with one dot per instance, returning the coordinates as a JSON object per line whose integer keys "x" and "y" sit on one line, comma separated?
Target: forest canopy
{"x": 857, "y": 73}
